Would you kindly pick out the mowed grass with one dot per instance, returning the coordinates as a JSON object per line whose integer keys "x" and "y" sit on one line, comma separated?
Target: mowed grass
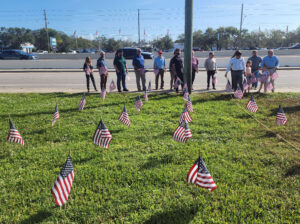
{"x": 141, "y": 178}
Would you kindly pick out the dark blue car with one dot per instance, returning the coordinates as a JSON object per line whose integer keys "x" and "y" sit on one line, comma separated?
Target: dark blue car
{"x": 16, "y": 54}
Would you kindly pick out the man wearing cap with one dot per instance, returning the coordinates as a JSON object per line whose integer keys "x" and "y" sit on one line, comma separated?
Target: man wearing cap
{"x": 159, "y": 66}
{"x": 210, "y": 65}
{"x": 271, "y": 63}
{"x": 256, "y": 60}
{"x": 139, "y": 69}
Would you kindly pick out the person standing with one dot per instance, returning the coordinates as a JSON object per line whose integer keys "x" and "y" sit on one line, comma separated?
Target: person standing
{"x": 88, "y": 69}
{"x": 177, "y": 66}
{"x": 256, "y": 60}
{"x": 172, "y": 74}
{"x": 238, "y": 68}
{"x": 210, "y": 65}
{"x": 121, "y": 70}
{"x": 139, "y": 69}
{"x": 271, "y": 63}
{"x": 160, "y": 65}
{"x": 103, "y": 71}
{"x": 195, "y": 66}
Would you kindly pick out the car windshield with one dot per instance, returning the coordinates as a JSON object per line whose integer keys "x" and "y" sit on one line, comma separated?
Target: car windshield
{"x": 20, "y": 52}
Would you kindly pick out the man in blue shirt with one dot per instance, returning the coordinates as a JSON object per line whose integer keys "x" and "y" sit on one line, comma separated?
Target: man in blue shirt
{"x": 270, "y": 63}
{"x": 139, "y": 69}
{"x": 256, "y": 60}
{"x": 159, "y": 69}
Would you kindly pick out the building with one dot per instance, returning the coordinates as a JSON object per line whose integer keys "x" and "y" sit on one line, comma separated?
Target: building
{"x": 27, "y": 47}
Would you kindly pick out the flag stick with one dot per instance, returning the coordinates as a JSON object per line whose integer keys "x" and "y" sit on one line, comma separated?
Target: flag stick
{"x": 70, "y": 152}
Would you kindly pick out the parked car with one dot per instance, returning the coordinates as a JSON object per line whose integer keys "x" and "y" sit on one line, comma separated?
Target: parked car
{"x": 42, "y": 52}
{"x": 130, "y": 52}
{"x": 16, "y": 54}
{"x": 197, "y": 49}
{"x": 295, "y": 46}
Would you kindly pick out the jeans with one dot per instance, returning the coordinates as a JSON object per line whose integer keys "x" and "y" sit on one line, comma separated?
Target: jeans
{"x": 161, "y": 74}
{"x": 103, "y": 81}
{"x": 193, "y": 75}
{"x": 237, "y": 78}
{"x": 180, "y": 76}
{"x": 172, "y": 79}
{"x": 121, "y": 76}
{"x": 210, "y": 74}
{"x": 88, "y": 77}
{"x": 257, "y": 76}
{"x": 138, "y": 77}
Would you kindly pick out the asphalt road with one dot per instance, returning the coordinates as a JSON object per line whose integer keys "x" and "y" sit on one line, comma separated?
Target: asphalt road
{"x": 20, "y": 82}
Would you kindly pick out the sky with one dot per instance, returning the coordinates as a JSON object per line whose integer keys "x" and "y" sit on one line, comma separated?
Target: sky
{"x": 157, "y": 17}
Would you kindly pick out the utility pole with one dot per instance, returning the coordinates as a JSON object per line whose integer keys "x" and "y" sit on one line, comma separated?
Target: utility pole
{"x": 188, "y": 43}
{"x": 139, "y": 34}
{"x": 241, "y": 24}
{"x": 46, "y": 27}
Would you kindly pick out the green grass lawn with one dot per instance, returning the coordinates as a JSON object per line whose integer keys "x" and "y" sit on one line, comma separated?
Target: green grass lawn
{"x": 141, "y": 177}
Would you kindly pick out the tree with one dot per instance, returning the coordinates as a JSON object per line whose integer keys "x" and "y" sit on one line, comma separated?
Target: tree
{"x": 163, "y": 43}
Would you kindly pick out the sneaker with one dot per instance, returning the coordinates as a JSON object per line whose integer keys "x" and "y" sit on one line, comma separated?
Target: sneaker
{"x": 214, "y": 88}
{"x": 273, "y": 90}
{"x": 119, "y": 91}
{"x": 207, "y": 88}
{"x": 126, "y": 90}
{"x": 161, "y": 87}
{"x": 96, "y": 90}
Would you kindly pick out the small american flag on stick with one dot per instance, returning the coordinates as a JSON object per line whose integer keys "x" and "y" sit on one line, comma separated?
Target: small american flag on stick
{"x": 189, "y": 105}
{"x": 245, "y": 85}
{"x": 62, "y": 186}
{"x": 149, "y": 86}
{"x": 186, "y": 95}
{"x": 251, "y": 105}
{"x": 55, "y": 115}
{"x": 14, "y": 135}
{"x": 82, "y": 103}
{"x": 238, "y": 94}
{"x": 269, "y": 86}
{"x": 185, "y": 116}
{"x": 146, "y": 96}
{"x": 103, "y": 93}
{"x": 274, "y": 76}
{"x": 102, "y": 136}
{"x": 185, "y": 87}
{"x": 124, "y": 117}
{"x": 182, "y": 133}
{"x": 138, "y": 104}
{"x": 281, "y": 118}
{"x": 199, "y": 175}
{"x": 112, "y": 86}
{"x": 228, "y": 86}
{"x": 177, "y": 83}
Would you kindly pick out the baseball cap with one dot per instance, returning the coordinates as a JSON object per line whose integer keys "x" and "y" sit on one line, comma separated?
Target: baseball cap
{"x": 160, "y": 51}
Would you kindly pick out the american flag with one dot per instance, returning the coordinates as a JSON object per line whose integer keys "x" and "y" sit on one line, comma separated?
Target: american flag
{"x": 189, "y": 105}
{"x": 124, "y": 117}
{"x": 251, "y": 105}
{"x": 55, "y": 115}
{"x": 199, "y": 175}
{"x": 214, "y": 80}
{"x": 146, "y": 96}
{"x": 253, "y": 78}
{"x": 138, "y": 103}
{"x": 112, "y": 86}
{"x": 238, "y": 94}
{"x": 102, "y": 136}
{"x": 228, "y": 86}
{"x": 62, "y": 186}
{"x": 14, "y": 135}
{"x": 82, "y": 103}
{"x": 186, "y": 95}
{"x": 245, "y": 85}
{"x": 177, "y": 83}
{"x": 182, "y": 133}
{"x": 269, "y": 86}
{"x": 274, "y": 76}
{"x": 103, "y": 93}
{"x": 185, "y": 116}
{"x": 281, "y": 118}
{"x": 185, "y": 87}
{"x": 149, "y": 87}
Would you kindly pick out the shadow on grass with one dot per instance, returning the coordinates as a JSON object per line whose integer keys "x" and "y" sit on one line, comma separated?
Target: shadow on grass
{"x": 214, "y": 97}
{"x": 37, "y": 218}
{"x": 154, "y": 161}
{"x": 293, "y": 171}
{"x": 179, "y": 215}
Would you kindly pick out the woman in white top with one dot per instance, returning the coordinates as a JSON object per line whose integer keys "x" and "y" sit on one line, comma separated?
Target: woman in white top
{"x": 237, "y": 67}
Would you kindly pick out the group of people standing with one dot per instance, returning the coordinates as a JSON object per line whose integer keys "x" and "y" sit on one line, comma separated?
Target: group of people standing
{"x": 236, "y": 65}
{"x": 268, "y": 65}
